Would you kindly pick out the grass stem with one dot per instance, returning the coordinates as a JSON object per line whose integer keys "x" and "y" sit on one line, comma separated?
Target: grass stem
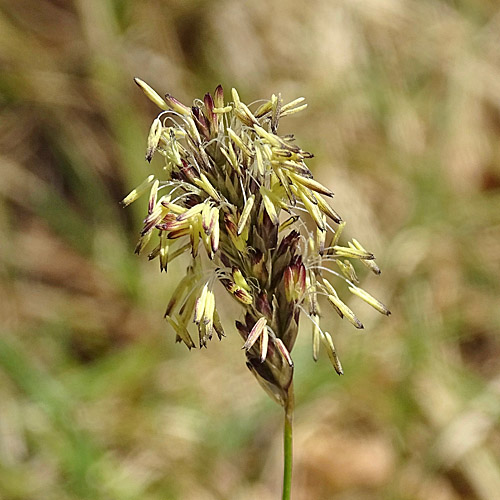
{"x": 288, "y": 446}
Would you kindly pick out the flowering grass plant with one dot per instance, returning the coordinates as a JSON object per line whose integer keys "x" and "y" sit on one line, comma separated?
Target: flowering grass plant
{"x": 240, "y": 199}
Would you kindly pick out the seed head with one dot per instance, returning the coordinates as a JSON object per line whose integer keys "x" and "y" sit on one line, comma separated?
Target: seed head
{"x": 240, "y": 199}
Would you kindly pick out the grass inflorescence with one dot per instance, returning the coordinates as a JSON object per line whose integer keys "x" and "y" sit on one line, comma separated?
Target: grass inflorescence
{"x": 241, "y": 200}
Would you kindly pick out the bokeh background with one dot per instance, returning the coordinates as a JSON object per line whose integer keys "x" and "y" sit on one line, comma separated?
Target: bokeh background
{"x": 96, "y": 399}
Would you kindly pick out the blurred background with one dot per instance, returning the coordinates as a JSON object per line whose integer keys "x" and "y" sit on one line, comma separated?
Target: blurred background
{"x": 96, "y": 399}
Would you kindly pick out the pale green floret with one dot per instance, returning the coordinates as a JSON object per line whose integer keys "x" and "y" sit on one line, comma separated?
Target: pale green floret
{"x": 292, "y": 104}
{"x": 138, "y": 191}
{"x": 376, "y": 304}
{"x": 316, "y": 338}
{"x": 347, "y": 270}
{"x": 151, "y": 94}
{"x": 337, "y": 234}
{"x": 332, "y": 353}
{"x": 199, "y": 307}
{"x": 351, "y": 252}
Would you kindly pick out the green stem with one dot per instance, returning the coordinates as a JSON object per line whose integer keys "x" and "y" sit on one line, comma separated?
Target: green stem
{"x": 288, "y": 446}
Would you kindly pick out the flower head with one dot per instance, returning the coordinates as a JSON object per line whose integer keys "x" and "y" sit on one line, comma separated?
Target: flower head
{"x": 241, "y": 200}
